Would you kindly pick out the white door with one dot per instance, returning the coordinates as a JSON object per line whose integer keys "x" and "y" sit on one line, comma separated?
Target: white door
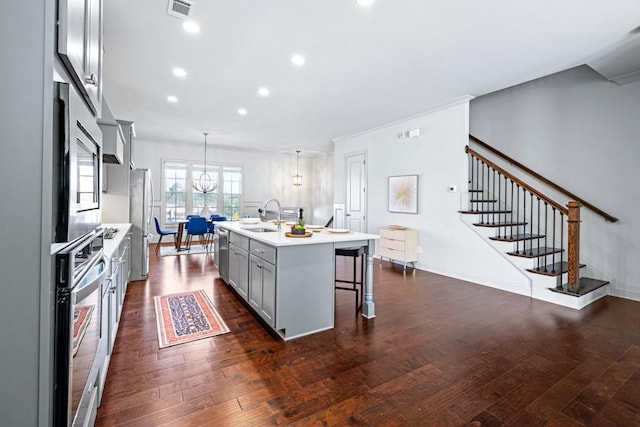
{"x": 356, "y": 206}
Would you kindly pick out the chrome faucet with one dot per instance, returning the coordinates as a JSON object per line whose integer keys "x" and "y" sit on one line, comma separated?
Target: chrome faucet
{"x": 279, "y": 212}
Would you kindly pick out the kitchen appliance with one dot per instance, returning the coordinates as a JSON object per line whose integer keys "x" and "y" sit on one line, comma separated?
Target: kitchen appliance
{"x": 140, "y": 213}
{"x": 221, "y": 252}
{"x": 76, "y": 167}
{"x": 80, "y": 269}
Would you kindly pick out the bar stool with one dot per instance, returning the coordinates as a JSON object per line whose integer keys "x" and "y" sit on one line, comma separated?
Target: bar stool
{"x": 355, "y": 253}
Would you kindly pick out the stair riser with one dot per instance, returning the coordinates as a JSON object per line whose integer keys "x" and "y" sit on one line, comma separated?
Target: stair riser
{"x": 543, "y": 293}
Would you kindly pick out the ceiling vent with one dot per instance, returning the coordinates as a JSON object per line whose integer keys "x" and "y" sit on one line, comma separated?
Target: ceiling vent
{"x": 180, "y": 8}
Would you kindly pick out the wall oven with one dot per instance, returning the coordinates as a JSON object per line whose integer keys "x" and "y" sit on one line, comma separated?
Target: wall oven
{"x": 76, "y": 168}
{"x": 80, "y": 269}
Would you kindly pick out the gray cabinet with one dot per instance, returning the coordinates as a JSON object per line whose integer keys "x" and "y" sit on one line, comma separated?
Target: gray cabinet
{"x": 80, "y": 47}
{"x": 129, "y": 132}
{"x": 104, "y": 332}
{"x": 239, "y": 264}
{"x": 124, "y": 252}
{"x": 113, "y": 143}
{"x": 113, "y": 293}
{"x": 262, "y": 288}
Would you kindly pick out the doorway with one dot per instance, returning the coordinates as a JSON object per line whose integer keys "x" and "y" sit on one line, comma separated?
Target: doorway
{"x": 356, "y": 192}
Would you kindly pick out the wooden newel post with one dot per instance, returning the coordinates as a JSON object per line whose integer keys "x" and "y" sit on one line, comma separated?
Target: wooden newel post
{"x": 573, "y": 257}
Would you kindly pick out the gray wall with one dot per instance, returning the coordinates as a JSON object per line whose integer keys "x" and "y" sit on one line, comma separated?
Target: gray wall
{"x": 26, "y": 48}
{"x": 583, "y": 133}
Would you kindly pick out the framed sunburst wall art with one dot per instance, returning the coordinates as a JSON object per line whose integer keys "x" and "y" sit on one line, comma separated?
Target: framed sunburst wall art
{"x": 403, "y": 194}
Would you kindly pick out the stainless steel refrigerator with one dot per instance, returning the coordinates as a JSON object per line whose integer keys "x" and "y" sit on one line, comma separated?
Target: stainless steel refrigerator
{"x": 140, "y": 211}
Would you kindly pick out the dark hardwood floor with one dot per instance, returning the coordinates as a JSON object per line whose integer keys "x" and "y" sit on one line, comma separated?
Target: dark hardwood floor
{"x": 441, "y": 352}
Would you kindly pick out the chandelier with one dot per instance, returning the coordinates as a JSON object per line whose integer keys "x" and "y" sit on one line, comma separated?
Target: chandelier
{"x": 205, "y": 184}
{"x": 297, "y": 179}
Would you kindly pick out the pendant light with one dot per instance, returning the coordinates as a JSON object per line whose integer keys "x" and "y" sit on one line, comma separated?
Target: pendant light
{"x": 205, "y": 184}
{"x": 297, "y": 179}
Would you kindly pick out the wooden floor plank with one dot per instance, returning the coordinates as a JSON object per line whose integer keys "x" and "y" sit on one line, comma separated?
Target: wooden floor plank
{"x": 440, "y": 352}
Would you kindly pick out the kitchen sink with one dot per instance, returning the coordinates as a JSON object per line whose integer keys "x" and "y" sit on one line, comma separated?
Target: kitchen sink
{"x": 263, "y": 230}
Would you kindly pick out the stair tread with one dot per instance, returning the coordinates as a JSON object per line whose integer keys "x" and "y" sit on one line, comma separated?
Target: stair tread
{"x": 485, "y": 212}
{"x": 553, "y": 269}
{"x": 499, "y": 224}
{"x": 475, "y": 191}
{"x": 483, "y": 200}
{"x": 585, "y": 285}
{"x": 517, "y": 237}
{"x": 536, "y": 252}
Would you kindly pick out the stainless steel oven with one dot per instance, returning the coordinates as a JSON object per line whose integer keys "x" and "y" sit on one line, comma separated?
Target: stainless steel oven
{"x": 80, "y": 270}
{"x": 76, "y": 168}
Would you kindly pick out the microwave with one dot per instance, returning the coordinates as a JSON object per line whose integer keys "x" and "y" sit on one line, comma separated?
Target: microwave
{"x": 76, "y": 200}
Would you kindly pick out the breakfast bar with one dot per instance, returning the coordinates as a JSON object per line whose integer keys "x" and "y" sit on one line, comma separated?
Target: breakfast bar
{"x": 288, "y": 280}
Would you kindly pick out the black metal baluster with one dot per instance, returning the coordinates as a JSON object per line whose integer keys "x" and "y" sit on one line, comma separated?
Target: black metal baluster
{"x": 486, "y": 180}
{"x": 546, "y": 228}
{"x": 512, "y": 208}
{"x": 530, "y": 220}
{"x": 531, "y": 253}
{"x": 482, "y": 179}
{"x": 499, "y": 199}
{"x": 553, "y": 270}
{"x": 482, "y": 185}
{"x": 553, "y": 240}
{"x": 493, "y": 197}
{"x": 478, "y": 183}
{"x": 517, "y": 213}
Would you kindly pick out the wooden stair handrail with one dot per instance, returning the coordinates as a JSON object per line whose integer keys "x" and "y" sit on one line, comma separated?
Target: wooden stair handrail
{"x": 553, "y": 185}
{"x": 518, "y": 181}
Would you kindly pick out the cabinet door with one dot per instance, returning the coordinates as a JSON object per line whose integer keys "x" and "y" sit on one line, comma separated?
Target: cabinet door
{"x": 268, "y": 309}
{"x": 239, "y": 270}
{"x": 93, "y": 53}
{"x": 243, "y": 277}
{"x": 113, "y": 315}
{"x": 80, "y": 47}
{"x": 255, "y": 282}
{"x": 104, "y": 351}
{"x": 71, "y": 32}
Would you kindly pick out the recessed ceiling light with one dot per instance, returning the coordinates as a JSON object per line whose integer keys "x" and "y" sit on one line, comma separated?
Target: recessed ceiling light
{"x": 242, "y": 111}
{"x": 365, "y": 2}
{"x": 172, "y": 99}
{"x": 191, "y": 27}
{"x": 179, "y": 72}
{"x": 263, "y": 91}
{"x": 298, "y": 60}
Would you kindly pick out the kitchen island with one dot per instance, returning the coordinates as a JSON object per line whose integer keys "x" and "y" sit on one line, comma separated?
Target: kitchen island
{"x": 289, "y": 281}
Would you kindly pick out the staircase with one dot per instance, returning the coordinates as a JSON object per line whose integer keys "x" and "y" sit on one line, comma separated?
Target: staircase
{"x": 538, "y": 235}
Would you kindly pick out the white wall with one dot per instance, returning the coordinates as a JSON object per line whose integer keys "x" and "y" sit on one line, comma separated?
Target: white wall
{"x": 448, "y": 245}
{"x": 322, "y": 197}
{"x": 581, "y": 132}
{"x": 266, "y": 174}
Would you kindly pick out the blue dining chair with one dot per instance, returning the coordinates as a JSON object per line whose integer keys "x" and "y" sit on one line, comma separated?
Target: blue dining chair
{"x": 188, "y": 217}
{"x": 197, "y": 226}
{"x": 163, "y": 233}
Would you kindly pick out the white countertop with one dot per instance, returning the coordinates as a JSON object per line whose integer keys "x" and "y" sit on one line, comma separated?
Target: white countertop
{"x": 278, "y": 238}
{"x": 111, "y": 245}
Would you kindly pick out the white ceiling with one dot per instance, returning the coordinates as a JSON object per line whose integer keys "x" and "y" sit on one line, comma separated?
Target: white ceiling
{"x": 365, "y": 66}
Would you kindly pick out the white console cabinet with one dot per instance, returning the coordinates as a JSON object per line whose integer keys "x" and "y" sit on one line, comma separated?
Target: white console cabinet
{"x": 399, "y": 245}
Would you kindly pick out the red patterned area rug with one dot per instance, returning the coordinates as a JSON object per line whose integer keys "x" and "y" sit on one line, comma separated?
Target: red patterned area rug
{"x": 185, "y": 317}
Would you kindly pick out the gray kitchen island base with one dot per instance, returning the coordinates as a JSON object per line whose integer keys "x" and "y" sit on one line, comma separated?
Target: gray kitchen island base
{"x": 290, "y": 282}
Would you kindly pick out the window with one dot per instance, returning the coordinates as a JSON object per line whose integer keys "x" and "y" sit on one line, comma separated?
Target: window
{"x": 180, "y": 199}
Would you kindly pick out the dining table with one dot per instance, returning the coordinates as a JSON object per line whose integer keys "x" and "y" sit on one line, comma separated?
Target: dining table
{"x": 181, "y": 227}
